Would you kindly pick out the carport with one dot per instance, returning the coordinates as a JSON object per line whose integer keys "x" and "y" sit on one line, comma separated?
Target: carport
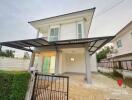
{"x": 91, "y": 45}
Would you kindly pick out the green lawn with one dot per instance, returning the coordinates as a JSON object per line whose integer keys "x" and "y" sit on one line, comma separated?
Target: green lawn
{"x": 116, "y": 76}
{"x": 13, "y": 85}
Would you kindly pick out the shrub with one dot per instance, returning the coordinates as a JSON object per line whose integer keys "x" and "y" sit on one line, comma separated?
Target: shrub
{"x": 13, "y": 85}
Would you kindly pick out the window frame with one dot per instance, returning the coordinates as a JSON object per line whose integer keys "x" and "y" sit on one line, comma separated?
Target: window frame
{"x": 119, "y": 43}
{"x": 82, "y": 29}
{"x": 53, "y": 27}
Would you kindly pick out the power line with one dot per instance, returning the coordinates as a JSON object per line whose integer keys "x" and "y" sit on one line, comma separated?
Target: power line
{"x": 107, "y": 9}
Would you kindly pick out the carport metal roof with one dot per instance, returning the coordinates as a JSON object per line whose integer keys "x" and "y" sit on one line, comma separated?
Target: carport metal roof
{"x": 94, "y": 43}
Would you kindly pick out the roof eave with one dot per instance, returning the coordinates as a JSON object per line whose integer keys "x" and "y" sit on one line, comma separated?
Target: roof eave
{"x": 63, "y": 15}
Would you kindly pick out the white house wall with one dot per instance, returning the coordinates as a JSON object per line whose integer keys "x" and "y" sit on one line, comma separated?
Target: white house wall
{"x": 93, "y": 63}
{"x": 68, "y": 31}
{"x": 126, "y": 38}
{"x": 66, "y": 65}
{"x": 77, "y": 66}
{"x": 38, "y": 63}
{"x": 67, "y": 25}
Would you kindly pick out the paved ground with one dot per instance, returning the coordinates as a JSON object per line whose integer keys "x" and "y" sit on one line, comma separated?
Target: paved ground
{"x": 102, "y": 88}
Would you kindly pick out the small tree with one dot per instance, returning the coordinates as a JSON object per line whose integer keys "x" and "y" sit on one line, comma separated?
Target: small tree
{"x": 7, "y": 53}
{"x": 26, "y": 55}
{"x": 103, "y": 53}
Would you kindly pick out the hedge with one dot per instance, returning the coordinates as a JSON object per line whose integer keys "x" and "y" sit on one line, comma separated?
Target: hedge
{"x": 13, "y": 85}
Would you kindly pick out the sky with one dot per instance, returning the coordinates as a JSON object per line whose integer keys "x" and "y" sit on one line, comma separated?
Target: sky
{"x": 110, "y": 16}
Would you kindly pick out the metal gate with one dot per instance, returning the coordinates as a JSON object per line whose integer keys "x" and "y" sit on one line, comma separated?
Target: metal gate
{"x": 50, "y": 87}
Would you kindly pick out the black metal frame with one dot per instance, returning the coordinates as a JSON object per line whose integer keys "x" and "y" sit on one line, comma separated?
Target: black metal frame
{"x": 50, "y": 87}
{"x": 26, "y": 44}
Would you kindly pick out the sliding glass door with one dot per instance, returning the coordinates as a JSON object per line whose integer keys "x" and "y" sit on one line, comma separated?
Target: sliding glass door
{"x": 48, "y": 64}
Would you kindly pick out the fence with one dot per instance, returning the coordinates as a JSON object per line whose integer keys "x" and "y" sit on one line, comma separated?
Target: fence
{"x": 50, "y": 87}
{"x": 14, "y": 63}
{"x": 124, "y": 64}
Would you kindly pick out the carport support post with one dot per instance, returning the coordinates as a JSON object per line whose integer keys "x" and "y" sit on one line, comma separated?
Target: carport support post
{"x": 57, "y": 62}
{"x": 32, "y": 60}
{"x": 87, "y": 62}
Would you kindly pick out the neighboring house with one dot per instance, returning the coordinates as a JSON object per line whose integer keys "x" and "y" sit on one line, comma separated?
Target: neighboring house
{"x": 122, "y": 44}
{"x": 65, "y": 47}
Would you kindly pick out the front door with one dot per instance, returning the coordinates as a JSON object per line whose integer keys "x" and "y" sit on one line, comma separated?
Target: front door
{"x": 48, "y": 64}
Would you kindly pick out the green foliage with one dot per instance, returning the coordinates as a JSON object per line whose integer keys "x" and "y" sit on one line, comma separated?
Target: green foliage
{"x": 26, "y": 55}
{"x": 103, "y": 53}
{"x": 13, "y": 85}
{"x": 117, "y": 74}
{"x": 7, "y": 53}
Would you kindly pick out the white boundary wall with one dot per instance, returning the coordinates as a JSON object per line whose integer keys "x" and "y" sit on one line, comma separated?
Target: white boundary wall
{"x": 14, "y": 63}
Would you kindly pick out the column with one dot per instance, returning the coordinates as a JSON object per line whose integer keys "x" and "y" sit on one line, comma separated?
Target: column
{"x": 87, "y": 63}
{"x": 60, "y": 62}
{"x": 57, "y": 62}
{"x": 32, "y": 60}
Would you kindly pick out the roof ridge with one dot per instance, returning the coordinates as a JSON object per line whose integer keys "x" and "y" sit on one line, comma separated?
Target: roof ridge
{"x": 63, "y": 14}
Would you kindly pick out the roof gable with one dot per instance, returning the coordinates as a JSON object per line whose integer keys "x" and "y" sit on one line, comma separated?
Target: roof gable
{"x": 73, "y": 15}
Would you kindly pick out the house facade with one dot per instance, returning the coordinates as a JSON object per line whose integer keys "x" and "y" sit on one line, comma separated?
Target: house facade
{"x": 122, "y": 44}
{"x": 64, "y": 46}
{"x": 65, "y": 27}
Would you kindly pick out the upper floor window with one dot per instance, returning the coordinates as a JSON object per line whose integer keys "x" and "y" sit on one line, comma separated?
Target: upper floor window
{"x": 119, "y": 43}
{"x": 80, "y": 30}
{"x": 54, "y": 32}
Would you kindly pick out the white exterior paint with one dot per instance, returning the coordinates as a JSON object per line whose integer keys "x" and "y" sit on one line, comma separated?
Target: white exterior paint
{"x": 65, "y": 63}
{"x": 76, "y": 66}
{"x": 67, "y": 25}
{"x": 93, "y": 62}
{"x": 14, "y": 64}
{"x": 68, "y": 31}
{"x": 125, "y": 35}
{"x": 88, "y": 64}
{"x": 38, "y": 63}
{"x": 126, "y": 40}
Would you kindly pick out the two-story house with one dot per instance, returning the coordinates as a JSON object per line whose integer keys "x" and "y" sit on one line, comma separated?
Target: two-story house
{"x": 65, "y": 46}
{"x": 64, "y": 27}
{"x": 122, "y": 44}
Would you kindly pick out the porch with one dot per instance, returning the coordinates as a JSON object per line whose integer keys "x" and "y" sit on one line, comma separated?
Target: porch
{"x": 69, "y": 60}
{"x": 90, "y": 46}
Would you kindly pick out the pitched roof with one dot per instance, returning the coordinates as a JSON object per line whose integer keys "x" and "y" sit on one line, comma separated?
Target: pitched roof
{"x": 64, "y": 14}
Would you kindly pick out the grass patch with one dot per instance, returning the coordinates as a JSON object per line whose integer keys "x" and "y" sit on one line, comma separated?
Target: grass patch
{"x": 116, "y": 76}
{"x": 13, "y": 85}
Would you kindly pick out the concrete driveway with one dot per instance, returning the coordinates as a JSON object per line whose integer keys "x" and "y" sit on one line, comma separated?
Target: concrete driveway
{"x": 102, "y": 88}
